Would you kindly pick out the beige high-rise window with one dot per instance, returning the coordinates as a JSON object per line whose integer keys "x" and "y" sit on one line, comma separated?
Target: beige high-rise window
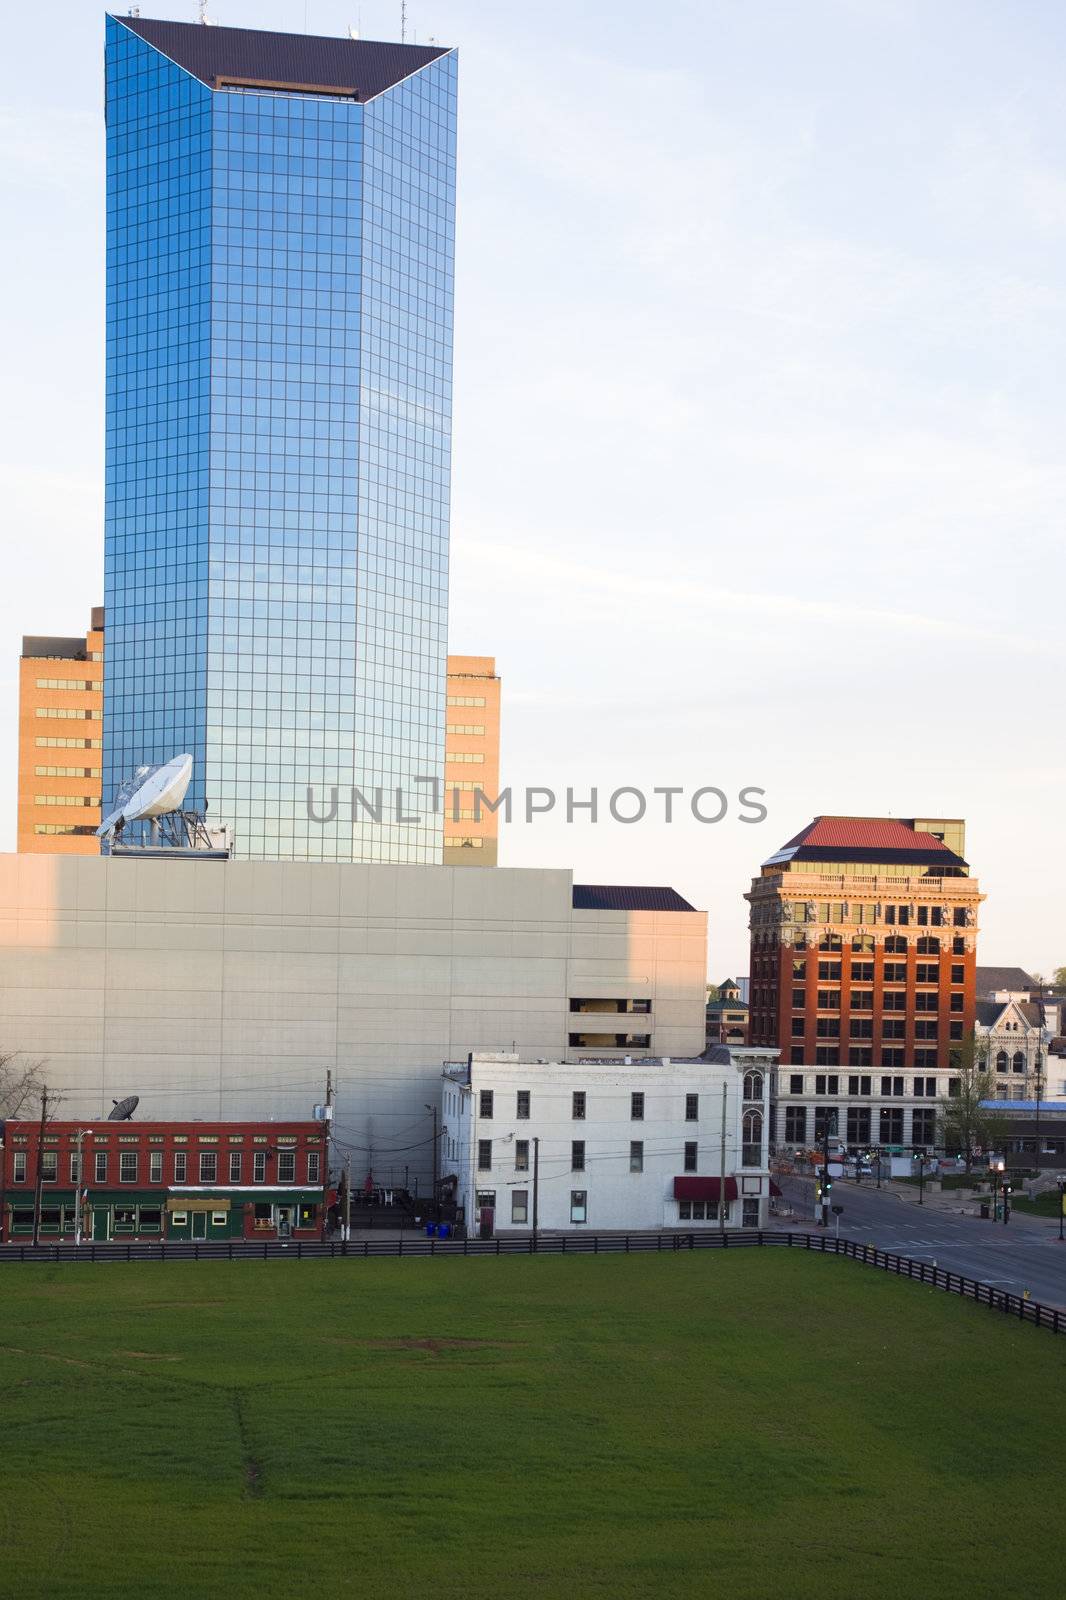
{"x": 472, "y": 739}
{"x": 61, "y": 690}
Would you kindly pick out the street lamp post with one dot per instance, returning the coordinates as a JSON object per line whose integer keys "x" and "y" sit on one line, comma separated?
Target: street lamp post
{"x": 1062, "y": 1207}
{"x": 80, "y": 1191}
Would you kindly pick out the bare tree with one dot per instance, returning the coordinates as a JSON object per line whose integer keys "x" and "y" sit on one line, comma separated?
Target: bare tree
{"x": 21, "y": 1083}
{"x": 966, "y": 1122}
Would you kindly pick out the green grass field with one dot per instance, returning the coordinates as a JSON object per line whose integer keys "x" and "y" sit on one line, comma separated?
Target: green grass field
{"x": 742, "y": 1425}
{"x": 1045, "y": 1205}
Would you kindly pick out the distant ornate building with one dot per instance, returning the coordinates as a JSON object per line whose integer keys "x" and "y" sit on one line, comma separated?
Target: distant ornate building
{"x": 727, "y": 1015}
{"x": 1013, "y": 1042}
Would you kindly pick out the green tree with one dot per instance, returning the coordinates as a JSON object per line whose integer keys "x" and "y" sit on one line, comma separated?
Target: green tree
{"x": 966, "y": 1123}
{"x": 1059, "y": 977}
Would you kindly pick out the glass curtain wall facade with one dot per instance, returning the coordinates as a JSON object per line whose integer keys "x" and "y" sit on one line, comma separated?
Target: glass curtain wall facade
{"x": 279, "y": 401}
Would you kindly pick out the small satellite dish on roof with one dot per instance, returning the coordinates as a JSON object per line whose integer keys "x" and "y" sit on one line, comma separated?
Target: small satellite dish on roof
{"x": 124, "y": 1109}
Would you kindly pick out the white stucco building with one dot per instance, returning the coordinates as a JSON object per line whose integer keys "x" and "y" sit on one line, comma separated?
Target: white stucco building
{"x": 606, "y": 1145}
{"x": 231, "y": 989}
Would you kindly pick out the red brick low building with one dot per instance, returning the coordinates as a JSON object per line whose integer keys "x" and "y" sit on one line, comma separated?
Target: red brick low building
{"x": 164, "y": 1180}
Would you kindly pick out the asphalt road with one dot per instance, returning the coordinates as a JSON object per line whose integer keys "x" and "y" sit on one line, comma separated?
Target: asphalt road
{"x": 1024, "y": 1253}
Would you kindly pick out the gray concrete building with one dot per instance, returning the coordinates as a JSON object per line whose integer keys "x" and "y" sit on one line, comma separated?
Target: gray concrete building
{"x": 230, "y": 989}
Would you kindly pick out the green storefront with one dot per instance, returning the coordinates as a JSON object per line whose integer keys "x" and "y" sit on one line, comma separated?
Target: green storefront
{"x": 209, "y": 1217}
{"x": 105, "y": 1215}
{"x": 110, "y": 1215}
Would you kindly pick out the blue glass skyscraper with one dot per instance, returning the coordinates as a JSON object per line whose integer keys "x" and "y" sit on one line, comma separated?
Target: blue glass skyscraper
{"x": 280, "y": 244}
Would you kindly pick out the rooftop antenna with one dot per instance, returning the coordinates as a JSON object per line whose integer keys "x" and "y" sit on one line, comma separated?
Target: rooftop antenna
{"x": 204, "y": 18}
{"x": 403, "y": 21}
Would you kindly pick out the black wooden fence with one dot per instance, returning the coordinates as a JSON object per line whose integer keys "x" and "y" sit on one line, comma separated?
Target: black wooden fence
{"x": 1012, "y": 1305}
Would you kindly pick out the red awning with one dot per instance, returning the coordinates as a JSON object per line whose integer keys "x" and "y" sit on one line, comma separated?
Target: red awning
{"x": 690, "y": 1188}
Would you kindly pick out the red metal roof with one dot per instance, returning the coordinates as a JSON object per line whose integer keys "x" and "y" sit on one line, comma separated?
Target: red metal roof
{"x": 865, "y": 833}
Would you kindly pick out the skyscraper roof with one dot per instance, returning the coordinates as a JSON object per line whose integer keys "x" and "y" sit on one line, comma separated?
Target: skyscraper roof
{"x": 875, "y": 839}
{"x": 309, "y": 61}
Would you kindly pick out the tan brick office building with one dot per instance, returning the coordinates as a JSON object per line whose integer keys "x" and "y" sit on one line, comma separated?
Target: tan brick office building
{"x": 471, "y": 761}
{"x": 61, "y": 704}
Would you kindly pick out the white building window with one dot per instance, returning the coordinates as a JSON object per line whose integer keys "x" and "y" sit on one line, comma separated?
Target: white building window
{"x": 519, "y": 1205}
{"x": 578, "y": 1205}
{"x": 636, "y": 1155}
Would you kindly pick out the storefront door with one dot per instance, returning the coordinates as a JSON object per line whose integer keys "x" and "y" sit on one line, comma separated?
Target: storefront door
{"x": 101, "y": 1218}
{"x": 285, "y": 1218}
{"x": 199, "y": 1224}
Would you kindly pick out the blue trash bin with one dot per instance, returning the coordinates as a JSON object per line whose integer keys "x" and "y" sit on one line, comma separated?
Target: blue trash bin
{"x": 443, "y": 1231}
{"x": 431, "y": 1230}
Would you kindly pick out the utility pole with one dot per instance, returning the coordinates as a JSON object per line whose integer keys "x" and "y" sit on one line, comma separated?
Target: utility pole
{"x": 436, "y": 1167}
{"x": 325, "y": 1150}
{"x": 37, "y": 1187}
{"x": 1039, "y": 1086}
{"x": 721, "y": 1169}
{"x": 77, "y": 1187}
{"x": 536, "y": 1187}
{"x": 346, "y": 1208}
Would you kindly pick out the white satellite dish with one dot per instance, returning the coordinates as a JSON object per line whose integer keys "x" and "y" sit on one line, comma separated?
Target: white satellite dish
{"x": 163, "y": 790}
{"x": 151, "y": 792}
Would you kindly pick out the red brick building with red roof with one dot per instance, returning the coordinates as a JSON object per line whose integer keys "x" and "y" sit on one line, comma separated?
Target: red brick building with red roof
{"x": 863, "y": 957}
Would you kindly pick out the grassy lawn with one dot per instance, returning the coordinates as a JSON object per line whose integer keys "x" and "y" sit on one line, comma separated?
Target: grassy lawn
{"x": 748, "y": 1426}
{"x": 1045, "y": 1205}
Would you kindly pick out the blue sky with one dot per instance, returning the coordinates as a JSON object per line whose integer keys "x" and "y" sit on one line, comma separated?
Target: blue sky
{"x": 759, "y": 409}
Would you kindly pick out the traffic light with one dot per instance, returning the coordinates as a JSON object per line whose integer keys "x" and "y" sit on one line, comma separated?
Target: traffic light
{"x": 827, "y": 1185}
